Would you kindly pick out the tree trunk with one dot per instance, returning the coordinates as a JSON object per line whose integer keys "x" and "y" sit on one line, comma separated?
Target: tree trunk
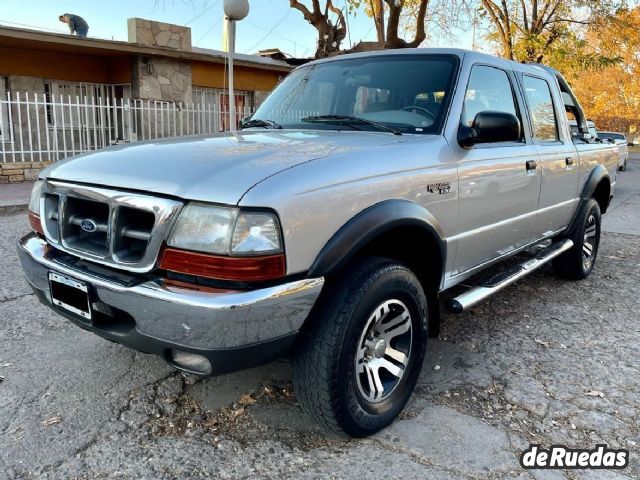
{"x": 393, "y": 25}
{"x": 377, "y": 8}
{"x": 329, "y": 39}
{"x": 330, "y": 36}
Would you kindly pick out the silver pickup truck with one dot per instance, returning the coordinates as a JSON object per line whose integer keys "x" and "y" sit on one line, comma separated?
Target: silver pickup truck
{"x": 327, "y": 227}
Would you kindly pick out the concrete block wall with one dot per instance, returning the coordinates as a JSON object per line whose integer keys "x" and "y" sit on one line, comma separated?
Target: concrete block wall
{"x": 23, "y": 116}
{"x": 16, "y": 172}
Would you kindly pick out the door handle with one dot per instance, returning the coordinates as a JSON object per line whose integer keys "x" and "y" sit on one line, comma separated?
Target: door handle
{"x": 569, "y": 161}
{"x": 531, "y": 165}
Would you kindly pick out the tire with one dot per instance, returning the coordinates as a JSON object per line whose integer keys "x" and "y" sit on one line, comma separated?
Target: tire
{"x": 623, "y": 167}
{"x": 578, "y": 263}
{"x": 359, "y": 320}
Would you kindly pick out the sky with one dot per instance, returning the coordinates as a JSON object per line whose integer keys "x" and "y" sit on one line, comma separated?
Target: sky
{"x": 270, "y": 24}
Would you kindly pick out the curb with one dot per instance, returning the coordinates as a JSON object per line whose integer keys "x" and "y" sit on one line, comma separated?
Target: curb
{"x": 6, "y": 210}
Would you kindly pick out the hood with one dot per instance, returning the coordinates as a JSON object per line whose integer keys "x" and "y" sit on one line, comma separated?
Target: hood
{"x": 216, "y": 169}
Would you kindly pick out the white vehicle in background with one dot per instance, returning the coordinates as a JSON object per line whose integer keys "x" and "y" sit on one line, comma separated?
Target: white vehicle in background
{"x": 593, "y": 131}
{"x": 621, "y": 140}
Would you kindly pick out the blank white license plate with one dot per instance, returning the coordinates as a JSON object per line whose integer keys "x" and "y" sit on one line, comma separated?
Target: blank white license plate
{"x": 70, "y": 295}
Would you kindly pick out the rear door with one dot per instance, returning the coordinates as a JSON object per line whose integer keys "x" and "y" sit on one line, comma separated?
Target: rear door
{"x": 499, "y": 183}
{"x": 558, "y": 157}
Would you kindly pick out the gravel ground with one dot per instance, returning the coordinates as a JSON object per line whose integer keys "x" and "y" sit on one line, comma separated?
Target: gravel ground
{"x": 546, "y": 362}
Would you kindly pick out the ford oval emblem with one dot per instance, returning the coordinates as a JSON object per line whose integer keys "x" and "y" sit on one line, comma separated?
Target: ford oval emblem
{"x": 88, "y": 225}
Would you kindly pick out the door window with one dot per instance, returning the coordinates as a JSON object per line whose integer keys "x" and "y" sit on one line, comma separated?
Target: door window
{"x": 543, "y": 116}
{"x": 489, "y": 89}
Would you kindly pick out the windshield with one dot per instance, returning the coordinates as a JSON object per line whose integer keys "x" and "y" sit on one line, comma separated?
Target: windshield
{"x": 409, "y": 93}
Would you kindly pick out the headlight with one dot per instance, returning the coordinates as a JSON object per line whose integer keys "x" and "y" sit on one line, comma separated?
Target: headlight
{"x": 34, "y": 201}
{"x": 226, "y": 231}
{"x": 204, "y": 228}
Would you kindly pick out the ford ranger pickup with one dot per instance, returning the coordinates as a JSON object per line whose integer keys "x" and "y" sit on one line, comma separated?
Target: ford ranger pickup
{"x": 327, "y": 227}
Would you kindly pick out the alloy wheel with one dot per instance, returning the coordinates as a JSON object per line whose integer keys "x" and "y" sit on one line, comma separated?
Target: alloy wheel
{"x": 589, "y": 242}
{"x": 384, "y": 350}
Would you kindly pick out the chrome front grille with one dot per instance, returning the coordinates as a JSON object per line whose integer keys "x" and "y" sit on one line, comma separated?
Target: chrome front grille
{"x": 111, "y": 227}
{"x": 79, "y": 211}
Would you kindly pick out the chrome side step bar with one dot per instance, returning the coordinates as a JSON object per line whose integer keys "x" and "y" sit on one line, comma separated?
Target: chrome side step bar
{"x": 499, "y": 281}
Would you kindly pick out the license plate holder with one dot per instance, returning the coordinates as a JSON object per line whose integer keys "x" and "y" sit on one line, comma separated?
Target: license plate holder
{"x": 70, "y": 295}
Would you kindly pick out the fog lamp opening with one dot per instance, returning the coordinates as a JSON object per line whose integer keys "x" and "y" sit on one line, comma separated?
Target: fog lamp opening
{"x": 191, "y": 362}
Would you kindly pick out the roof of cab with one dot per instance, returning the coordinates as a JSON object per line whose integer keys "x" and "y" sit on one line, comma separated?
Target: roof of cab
{"x": 458, "y": 52}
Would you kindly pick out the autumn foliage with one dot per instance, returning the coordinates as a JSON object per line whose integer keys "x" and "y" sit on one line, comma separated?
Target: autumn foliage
{"x": 611, "y": 95}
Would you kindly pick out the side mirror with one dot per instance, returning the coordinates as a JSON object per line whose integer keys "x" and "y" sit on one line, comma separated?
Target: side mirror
{"x": 491, "y": 127}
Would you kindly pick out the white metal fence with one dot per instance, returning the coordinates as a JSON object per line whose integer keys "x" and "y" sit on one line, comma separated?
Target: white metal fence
{"x": 42, "y": 127}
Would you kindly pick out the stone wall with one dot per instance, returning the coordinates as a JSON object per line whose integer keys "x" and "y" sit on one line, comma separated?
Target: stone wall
{"x": 17, "y": 172}
{"x": 158, "y": 34}
{"x": 162, "y": 79}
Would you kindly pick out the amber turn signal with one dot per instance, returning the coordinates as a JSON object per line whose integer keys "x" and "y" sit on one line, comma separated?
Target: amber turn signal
{"x": 36, "y": 224}
{"x": 240, "y": 269}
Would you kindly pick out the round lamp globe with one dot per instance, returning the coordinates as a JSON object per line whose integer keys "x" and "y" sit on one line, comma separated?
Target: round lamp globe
{"x": 236, "y": 9}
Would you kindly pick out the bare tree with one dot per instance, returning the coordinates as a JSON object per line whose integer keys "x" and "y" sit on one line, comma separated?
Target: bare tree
{"x": 388, "y": 17}
{"x": 529, "y": 29}
{"x": 331, "y": 33}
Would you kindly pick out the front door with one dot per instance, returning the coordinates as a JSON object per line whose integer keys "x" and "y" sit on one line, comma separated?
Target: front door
{"x": 499, "y": 183}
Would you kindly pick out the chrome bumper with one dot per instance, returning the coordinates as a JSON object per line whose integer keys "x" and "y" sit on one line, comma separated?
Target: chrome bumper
{"x": 177, "y": 316}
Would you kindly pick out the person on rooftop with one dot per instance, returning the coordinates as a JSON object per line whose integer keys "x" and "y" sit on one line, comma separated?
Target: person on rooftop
{"x": 77, "y": 24}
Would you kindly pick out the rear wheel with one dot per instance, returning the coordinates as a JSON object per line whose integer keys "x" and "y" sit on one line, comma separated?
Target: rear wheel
{"x": 623, "y": 167}
{"x": 359, "y": 361}
{"x": 578, "y": 262}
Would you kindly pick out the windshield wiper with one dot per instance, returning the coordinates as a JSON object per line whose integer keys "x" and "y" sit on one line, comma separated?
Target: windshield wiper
{"x": 257, "y": 122}
{"x": 349, "y": 120}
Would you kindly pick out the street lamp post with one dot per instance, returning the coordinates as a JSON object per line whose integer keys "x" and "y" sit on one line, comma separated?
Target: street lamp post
{"x": 234, "y": 10}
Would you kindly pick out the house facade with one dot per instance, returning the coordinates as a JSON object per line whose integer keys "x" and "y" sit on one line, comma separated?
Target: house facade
{"x": 61, "y": 95}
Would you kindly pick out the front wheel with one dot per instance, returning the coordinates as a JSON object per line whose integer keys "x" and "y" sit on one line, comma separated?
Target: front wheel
{"x": 359, "y": 360}
{"x": 578, "y": 262}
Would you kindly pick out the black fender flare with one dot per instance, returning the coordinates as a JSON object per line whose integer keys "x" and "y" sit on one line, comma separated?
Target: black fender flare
{"x": 370, "y": 224}
{"x": 596, "y": 176}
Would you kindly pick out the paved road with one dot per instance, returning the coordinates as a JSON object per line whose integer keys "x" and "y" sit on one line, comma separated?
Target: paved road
{"x": 521, "y": 368}
{"x": 624, "y": 217}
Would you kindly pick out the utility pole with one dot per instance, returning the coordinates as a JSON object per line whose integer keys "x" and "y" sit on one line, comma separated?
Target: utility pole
{"x": 234, "y": 10}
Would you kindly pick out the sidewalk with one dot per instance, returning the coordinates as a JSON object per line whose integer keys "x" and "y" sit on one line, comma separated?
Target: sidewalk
{"x": 14, "y": 197}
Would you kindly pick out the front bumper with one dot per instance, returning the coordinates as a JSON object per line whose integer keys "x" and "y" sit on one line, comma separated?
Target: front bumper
{"x": 233, "y": 329}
